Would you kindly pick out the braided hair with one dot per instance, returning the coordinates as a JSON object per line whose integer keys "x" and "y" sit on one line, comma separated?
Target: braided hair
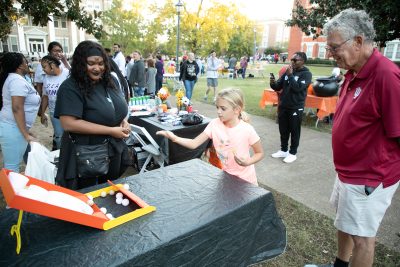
{"x": 9, "y": 63}
{"x": 51, "y": 60}
{"x": 79, "y": 67}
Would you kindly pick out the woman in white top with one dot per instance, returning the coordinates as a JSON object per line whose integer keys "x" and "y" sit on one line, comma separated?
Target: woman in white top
{"x": 54, "y": 76}
{"x": 20, "y": 104}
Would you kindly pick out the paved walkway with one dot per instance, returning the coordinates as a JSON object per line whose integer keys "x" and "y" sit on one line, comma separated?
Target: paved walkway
{"x": 310, "y": 178}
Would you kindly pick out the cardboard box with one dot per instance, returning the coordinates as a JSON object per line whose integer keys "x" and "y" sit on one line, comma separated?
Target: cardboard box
{"x": 97, "y": 220}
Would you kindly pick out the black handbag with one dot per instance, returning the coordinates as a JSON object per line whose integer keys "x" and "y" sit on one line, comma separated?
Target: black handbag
{"x": 192, "y": 118}
{"x": 92, "y": 160}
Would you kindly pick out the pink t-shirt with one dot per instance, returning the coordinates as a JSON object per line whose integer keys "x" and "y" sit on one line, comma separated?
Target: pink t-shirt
{"x": 367, "y": 124}
{"x": 228, "y": 141}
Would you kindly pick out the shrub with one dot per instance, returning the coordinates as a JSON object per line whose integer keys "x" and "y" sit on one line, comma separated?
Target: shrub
{"x": 320, "y": 61}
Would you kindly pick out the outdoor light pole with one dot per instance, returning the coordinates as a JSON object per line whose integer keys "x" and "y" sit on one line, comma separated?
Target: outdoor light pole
{"x": 255, "y": 46}
{"x": 178, "y": 11}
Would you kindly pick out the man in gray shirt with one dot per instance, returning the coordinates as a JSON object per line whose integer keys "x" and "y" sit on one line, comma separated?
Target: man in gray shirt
{"x": 137, "y": 75}
{"x": 232, "y": 62}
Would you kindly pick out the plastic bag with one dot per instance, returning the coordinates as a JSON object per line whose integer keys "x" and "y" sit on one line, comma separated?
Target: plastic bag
{"x": 40, "y": 163}
{"x": 192, "y": 119}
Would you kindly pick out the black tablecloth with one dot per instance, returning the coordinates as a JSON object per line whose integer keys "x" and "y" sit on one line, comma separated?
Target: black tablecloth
{"x": 174, "y": 152}
{"x": 204, "y": 217}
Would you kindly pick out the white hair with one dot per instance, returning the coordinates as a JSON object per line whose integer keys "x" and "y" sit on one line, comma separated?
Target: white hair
{"x": 351, "y": 23}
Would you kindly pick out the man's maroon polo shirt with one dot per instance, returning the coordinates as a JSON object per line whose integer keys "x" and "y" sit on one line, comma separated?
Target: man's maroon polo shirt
{"x": 367, "y": 123}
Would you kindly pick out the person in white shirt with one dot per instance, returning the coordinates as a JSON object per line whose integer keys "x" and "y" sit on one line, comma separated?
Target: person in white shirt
{"x": 51, "y": 82}
{"x": 19, "y": 106}
{"x": 119, "y": 58}
{"x": 55, "y": 49}
{"x": 213, "y": 64}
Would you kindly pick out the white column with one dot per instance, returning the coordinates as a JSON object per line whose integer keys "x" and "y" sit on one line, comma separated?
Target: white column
{"x": 81, "y": 35}
{"x": 74, "y": 36}
{"x": 21, "y": 39}
{"x": 52, "y": 32}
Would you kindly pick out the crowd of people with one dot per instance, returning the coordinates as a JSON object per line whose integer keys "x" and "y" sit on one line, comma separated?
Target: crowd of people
{"x": 87, "y": 103}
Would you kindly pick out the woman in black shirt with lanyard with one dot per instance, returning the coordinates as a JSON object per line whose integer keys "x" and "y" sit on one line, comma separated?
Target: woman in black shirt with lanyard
{"x": 91, "y": 110}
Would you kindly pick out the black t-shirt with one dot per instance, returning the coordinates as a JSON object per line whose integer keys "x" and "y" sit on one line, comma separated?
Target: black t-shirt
{"x": 95, "y": 107}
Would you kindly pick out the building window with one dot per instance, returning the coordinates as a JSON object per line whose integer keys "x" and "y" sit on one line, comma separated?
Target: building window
{"x": 60, "y": 22}
{"x": 389, "y": 50}
{"x": 4, "y": 46}
{"x": 309, "y": 50}
{"x": 397, "y": 51}
{"x": 9, "y": 45}
{"x": 14, "y": 43}
{"x": 65, "y": 44}
{"x": 36, "y": 45}
{"x": 321, "y": 51}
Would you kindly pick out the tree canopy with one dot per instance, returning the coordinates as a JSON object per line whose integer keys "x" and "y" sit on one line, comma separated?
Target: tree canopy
{"x": 147, "y": 26}
{"x": 216, "y": 26}
{"x": 41, "y": 11}
{"x": 385, "y": 14}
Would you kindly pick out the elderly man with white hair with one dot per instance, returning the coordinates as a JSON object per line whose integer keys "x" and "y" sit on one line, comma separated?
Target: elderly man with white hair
{"x": 365, "y": 136}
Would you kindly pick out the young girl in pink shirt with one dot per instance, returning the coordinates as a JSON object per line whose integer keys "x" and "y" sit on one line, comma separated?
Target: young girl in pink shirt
{"x": 232, "y": 136}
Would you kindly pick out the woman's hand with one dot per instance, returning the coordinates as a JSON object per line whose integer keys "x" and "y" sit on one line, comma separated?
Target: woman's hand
{"x": 119, "y": 132}
{"x": 30, "y": 138}
{"x": 44, "y": 120}
{"x": 125, "y": 124}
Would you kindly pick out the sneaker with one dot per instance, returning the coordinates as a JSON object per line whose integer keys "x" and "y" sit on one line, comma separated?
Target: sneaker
{"x": 280, "y": 154}
{"x": 214, "y": 100}
{"x": 205, "y": 97}
{"x": 290, "y": 158}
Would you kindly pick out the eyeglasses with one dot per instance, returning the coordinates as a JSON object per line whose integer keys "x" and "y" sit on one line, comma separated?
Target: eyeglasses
{"x": 333, "y": 50}
{"x": 294, "y": 60}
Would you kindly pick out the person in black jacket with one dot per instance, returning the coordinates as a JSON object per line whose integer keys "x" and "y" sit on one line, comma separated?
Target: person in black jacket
{"x": 294, "y": 83}
{"x": 137, "y": 75}
{"x": 188, "y": 74}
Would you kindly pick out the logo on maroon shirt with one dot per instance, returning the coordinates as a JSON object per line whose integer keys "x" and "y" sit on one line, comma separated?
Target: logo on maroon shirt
{"x": 357, "y": 92}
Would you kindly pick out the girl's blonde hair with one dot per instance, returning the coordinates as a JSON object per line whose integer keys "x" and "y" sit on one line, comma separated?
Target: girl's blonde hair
{"x": 234, "y": 97}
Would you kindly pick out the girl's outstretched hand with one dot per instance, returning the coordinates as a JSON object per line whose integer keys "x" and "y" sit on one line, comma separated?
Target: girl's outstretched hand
{"x": 167, "y": 134}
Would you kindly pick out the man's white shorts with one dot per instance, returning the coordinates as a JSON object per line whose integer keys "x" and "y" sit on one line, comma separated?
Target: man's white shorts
{"x": 358, "y": 213}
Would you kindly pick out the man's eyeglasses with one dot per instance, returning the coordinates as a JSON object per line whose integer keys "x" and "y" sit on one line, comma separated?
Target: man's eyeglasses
{"x": 333, "y": 50}
{"x": 294, "y": 60}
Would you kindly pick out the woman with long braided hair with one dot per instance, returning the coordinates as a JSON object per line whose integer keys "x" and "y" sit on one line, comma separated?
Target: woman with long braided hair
{"x": 19, "y": 106}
